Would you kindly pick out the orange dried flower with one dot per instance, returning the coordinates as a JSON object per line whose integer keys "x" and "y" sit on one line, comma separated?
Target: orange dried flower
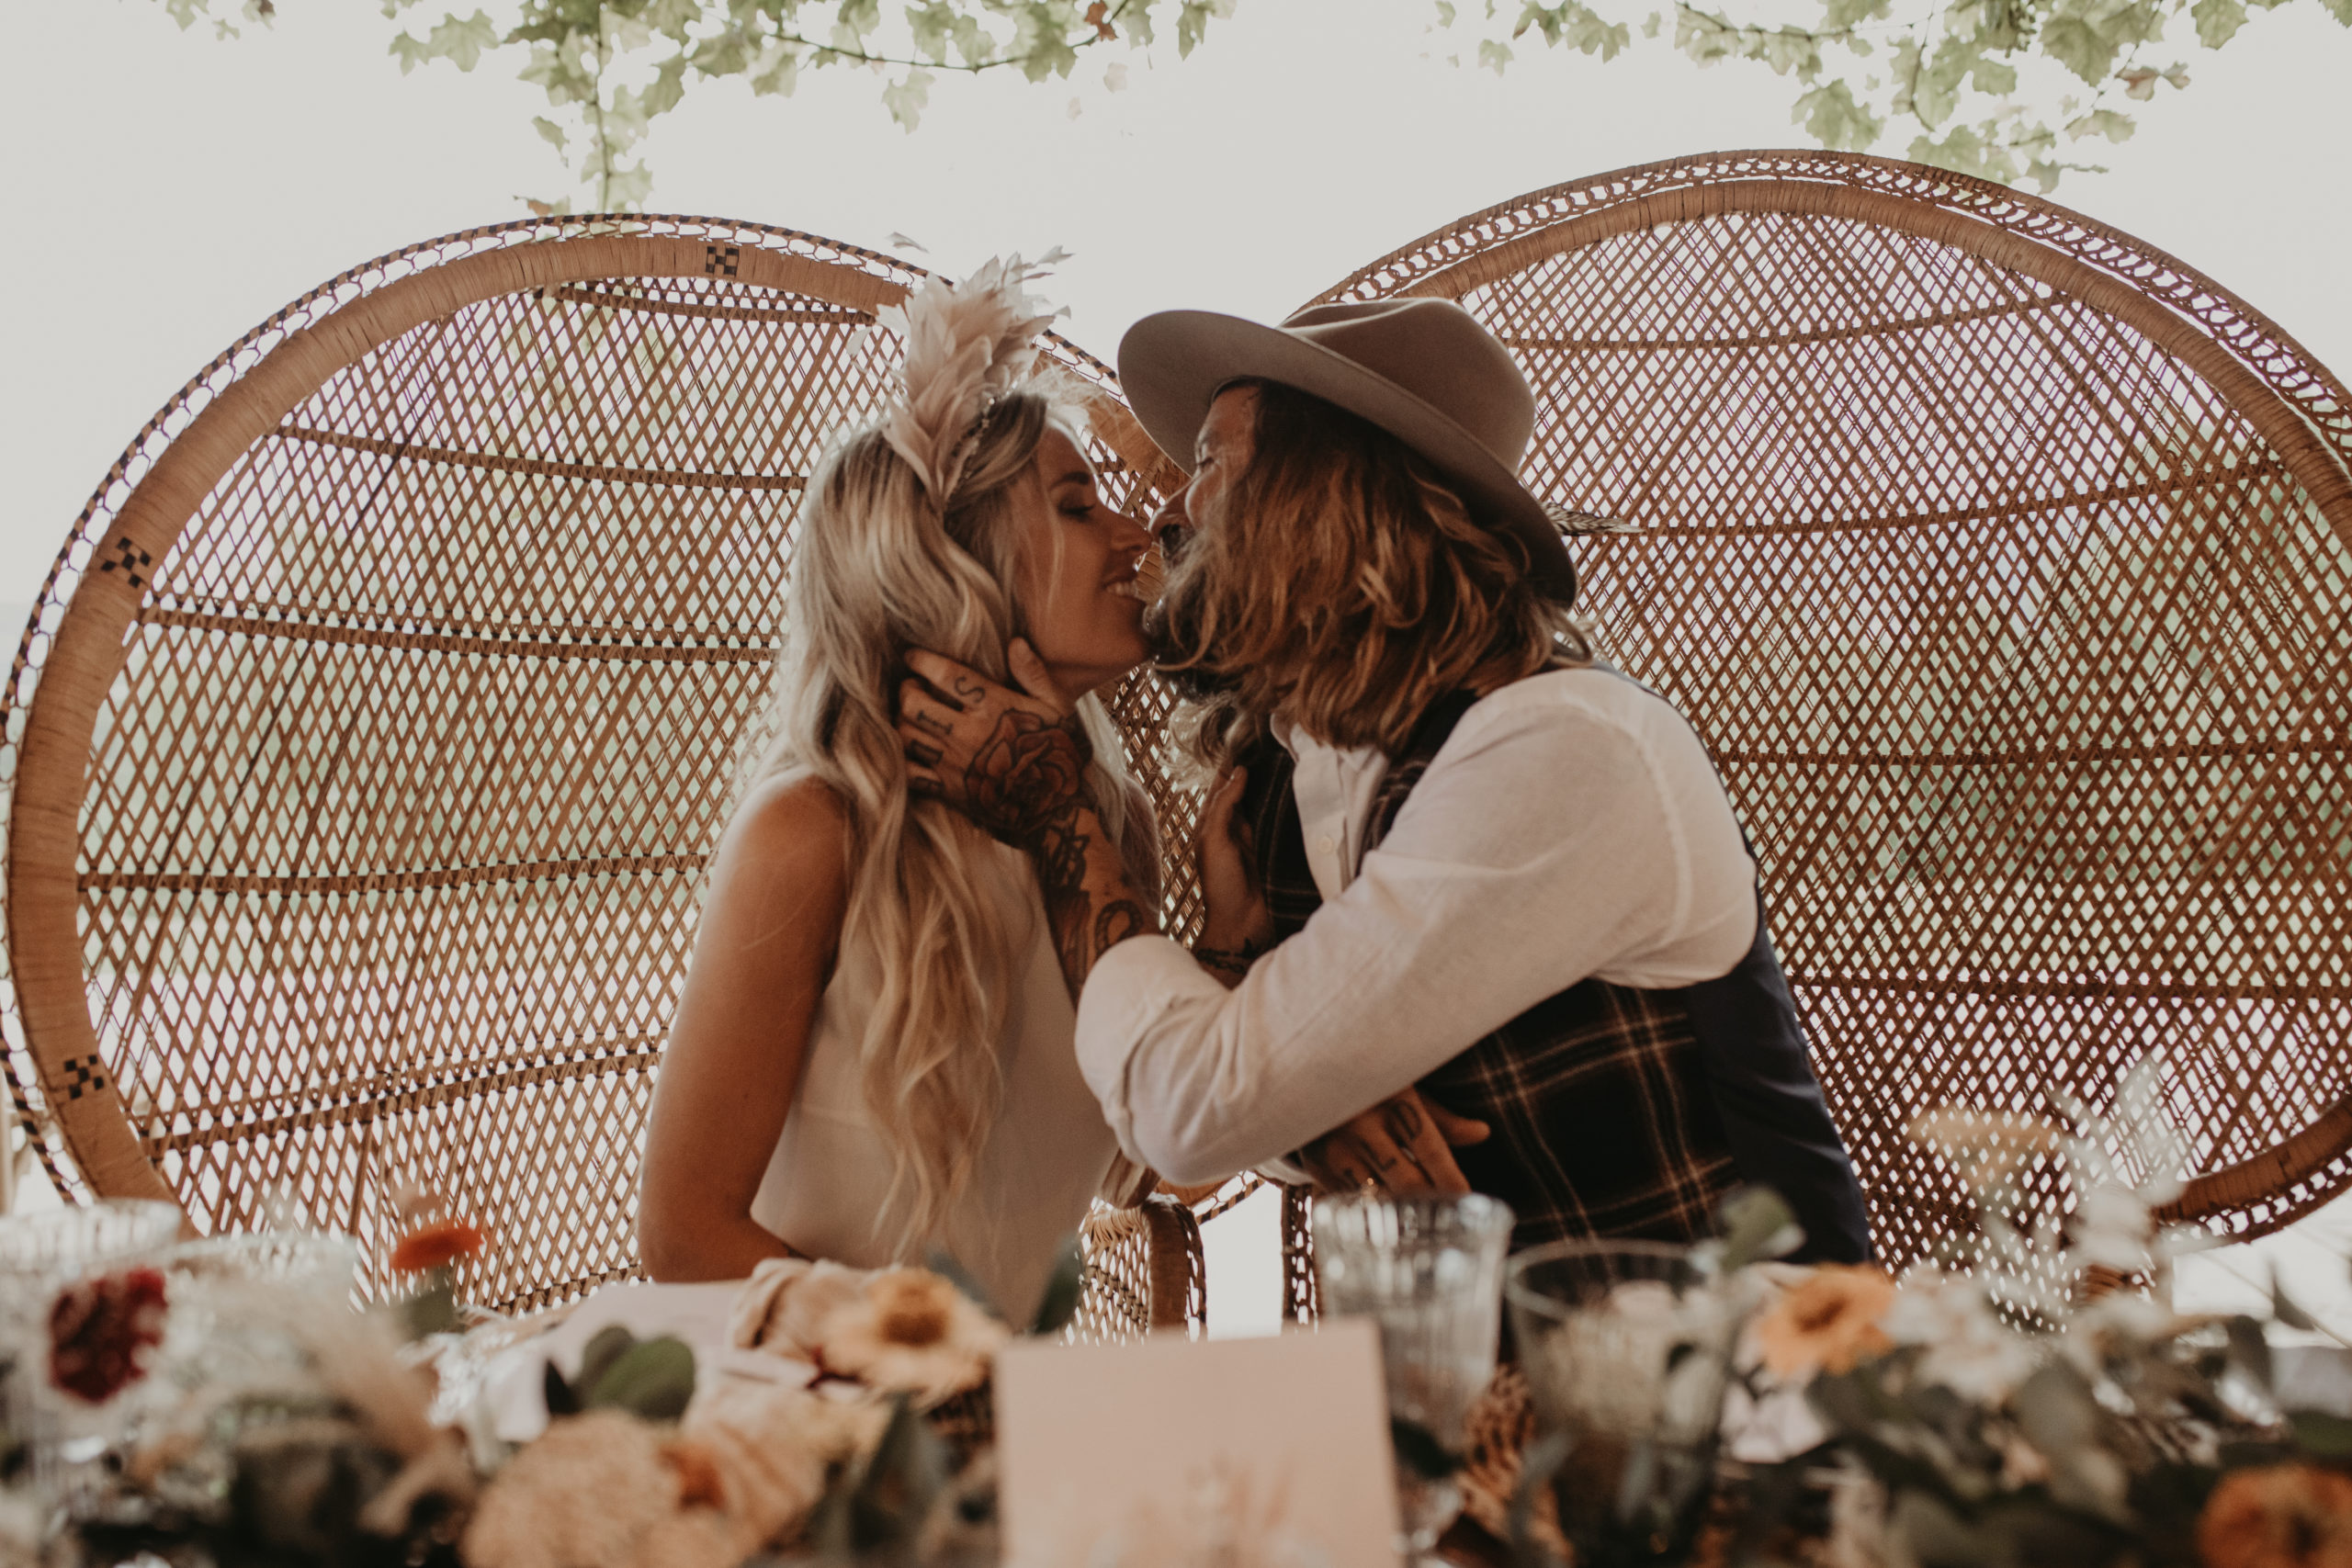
{"x": 699, "y": 1483}
{"x": 436, "y": 1245}
{"x": 2282, "y": 1516}
{"x": 1827, "y": 1322}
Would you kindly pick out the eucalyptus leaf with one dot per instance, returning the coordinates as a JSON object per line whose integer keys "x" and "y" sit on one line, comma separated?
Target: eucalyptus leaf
{"x": 2063, "y": 1420}
{"x": 2249, "y": 1350}
{"x": 1418, "y": 1451}
{"x": 653, "y": 1379}
{"x": 944, "y": 1265}
{"x": 600, "y": 1352}
{"x": 2321, "y": 1435}
{"x": 432, "y": 1309}
{"x": 894, "y": 1493}
{"x": 2285, "y": 1310}
{"x": 1064, "y": 1288}
{"x": 1758, "y": 1224}
{"x": 563, "y": 1399}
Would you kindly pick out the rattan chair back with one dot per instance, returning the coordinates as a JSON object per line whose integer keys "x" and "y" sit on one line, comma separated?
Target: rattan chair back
{"x": 379, "y": 715}
{"x": 2003, "y": 563}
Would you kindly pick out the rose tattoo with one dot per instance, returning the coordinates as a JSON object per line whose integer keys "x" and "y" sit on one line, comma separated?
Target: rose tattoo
{"x": 1025, "y": 772}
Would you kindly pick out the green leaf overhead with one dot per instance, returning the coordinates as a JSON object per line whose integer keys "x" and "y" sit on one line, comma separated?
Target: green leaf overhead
{"x": 1987, "y": 85}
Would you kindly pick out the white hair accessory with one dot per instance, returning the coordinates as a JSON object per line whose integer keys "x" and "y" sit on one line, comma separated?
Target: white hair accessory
{"x": 966, "y": 345}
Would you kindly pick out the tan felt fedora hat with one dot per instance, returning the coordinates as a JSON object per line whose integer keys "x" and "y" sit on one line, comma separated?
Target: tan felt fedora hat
{"x": 1423, "y": 370}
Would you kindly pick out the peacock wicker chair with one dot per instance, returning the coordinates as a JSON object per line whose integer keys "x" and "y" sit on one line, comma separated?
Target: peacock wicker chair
{"x": 2002, "y": 561}
{"x": 374, "y": 725}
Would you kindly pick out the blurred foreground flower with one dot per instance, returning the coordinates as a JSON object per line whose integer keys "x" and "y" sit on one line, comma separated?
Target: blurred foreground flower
{"x": 1828, "y": 1321}
{"x": 909, "y": 1330}
{"x": 1968, "y": 1349}
{"x": 596, "y": 1492}
{"x": 437, "y": 1244}
{"x": 100, "y": 1330}
{"x": 2285, "y": 1516}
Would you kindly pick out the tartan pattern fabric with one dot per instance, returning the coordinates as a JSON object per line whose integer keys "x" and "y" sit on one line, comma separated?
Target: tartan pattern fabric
{"x": 1603, "y": 1121}
{"x": 1268, "y": 811}
{"x": 1603, "y": 1125}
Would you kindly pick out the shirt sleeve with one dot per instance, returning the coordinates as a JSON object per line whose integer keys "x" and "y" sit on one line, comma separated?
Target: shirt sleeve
{"x": 1553, "y": 838}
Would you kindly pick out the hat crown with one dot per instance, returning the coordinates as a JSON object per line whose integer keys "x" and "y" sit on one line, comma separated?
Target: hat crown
{"x": 1437, "y": 352}
{"x": 1424, "y": 370}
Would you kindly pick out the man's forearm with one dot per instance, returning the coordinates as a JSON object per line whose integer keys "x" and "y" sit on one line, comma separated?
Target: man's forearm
{"x": 1090, "y": 901}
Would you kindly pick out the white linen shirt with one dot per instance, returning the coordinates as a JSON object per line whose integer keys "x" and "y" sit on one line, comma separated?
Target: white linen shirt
{"x": 1571, "y": 827}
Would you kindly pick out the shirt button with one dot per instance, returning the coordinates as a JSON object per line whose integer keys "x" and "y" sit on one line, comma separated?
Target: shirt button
{"x": 1325, "y": 842}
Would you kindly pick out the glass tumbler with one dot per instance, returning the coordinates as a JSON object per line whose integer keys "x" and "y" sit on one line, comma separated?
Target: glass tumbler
{"x": 1428, "y": 1270}
{"x": 1627, "y": 1348}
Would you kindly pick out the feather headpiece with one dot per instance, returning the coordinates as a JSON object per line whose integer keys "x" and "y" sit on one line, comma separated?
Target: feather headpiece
{"x": 967, "y": 344}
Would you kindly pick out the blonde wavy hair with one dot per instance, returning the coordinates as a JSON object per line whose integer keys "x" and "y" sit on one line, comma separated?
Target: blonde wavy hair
{"x": 1342, "y": 585}
{"x": 876, "y": 571}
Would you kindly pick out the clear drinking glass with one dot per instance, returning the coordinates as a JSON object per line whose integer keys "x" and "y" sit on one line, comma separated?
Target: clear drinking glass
{"x": 1428, "y": 1270}
{"x": 63, "y": 1244}
{"x": 1627, "y": 1349}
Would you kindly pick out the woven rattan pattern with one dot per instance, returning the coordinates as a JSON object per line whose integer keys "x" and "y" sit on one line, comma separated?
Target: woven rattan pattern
{"x": 378, "y": 718}
{"x": 2002, "y": 563}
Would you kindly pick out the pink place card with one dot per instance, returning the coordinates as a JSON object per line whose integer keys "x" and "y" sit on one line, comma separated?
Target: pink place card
{"x": 1240, "y": 1453}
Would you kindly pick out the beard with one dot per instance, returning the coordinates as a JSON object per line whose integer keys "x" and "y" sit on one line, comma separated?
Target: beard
{"x": 1171, "y": 628}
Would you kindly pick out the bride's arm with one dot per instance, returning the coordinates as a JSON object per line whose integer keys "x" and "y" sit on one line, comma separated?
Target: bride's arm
{"x": 766, "y": 948}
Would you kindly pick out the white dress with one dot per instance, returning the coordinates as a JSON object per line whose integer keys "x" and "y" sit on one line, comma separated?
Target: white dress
{"x": 1043, "y": 1162}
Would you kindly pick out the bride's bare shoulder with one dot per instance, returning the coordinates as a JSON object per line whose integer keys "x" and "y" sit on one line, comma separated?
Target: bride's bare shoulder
{"x": 794, "y": 823}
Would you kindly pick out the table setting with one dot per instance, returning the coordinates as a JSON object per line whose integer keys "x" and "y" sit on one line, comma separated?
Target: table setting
{"x": 2028, "y": 1397}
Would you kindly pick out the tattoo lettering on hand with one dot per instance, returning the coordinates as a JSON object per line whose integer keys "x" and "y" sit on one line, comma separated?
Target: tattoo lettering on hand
{"x": 931, "y": 724}
{"x": 965, "y": 689}
{"x": 922, "y": 754}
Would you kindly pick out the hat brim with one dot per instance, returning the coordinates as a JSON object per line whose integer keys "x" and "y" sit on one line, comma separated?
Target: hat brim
{"x": 1172, "y": 364}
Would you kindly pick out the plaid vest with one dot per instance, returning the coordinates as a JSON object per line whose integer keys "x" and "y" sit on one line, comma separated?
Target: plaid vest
{"x": 1616, "y": 1110}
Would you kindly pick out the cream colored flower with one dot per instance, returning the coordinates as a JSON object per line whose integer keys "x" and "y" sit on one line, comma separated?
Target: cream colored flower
{"x": 696, "y": 1538}
{"x": 1969, "y": 1349}
{"x": 1613, "y": 1363}
{"x": 2113, "y": 1228}
{"x": 771, "y": 1447}
{"x": 909, "y": 1330}
{"x": 1827, "y": 1322}
{"x": 585, "y": 1495}
{"x": 781, "y": 1308}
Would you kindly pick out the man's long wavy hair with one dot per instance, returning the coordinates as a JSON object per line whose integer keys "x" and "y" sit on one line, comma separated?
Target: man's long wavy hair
{"x": 1342, "y": 586}
{"x": 878, "y": 571}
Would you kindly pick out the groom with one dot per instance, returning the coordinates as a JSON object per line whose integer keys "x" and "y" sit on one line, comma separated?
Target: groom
{"x": 1491, "y": 885}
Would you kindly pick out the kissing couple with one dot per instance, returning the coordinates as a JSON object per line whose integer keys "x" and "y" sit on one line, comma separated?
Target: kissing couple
{"x": 1478, "y": 914}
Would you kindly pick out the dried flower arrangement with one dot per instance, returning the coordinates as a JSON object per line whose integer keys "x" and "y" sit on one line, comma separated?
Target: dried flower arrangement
{"x": 256, "y": 1421}
{"x": 2033, "y": 1400}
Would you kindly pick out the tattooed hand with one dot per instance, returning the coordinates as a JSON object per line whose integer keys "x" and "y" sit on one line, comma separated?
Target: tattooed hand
{"x": 1016, "y": 765}
{"x": 1010, "y": 761}
{"x": 1234, "y": 913}
{"x": 1402, "y": 1145}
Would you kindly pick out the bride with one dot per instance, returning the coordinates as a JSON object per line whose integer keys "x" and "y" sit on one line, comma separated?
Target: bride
{"x": 873, "y": 1057}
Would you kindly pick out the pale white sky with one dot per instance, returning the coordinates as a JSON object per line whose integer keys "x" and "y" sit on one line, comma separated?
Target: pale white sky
{"x": 173, "y": 191}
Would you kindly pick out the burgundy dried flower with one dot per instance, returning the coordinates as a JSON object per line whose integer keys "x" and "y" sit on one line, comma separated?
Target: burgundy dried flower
{"x": 97, "y": 1329}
